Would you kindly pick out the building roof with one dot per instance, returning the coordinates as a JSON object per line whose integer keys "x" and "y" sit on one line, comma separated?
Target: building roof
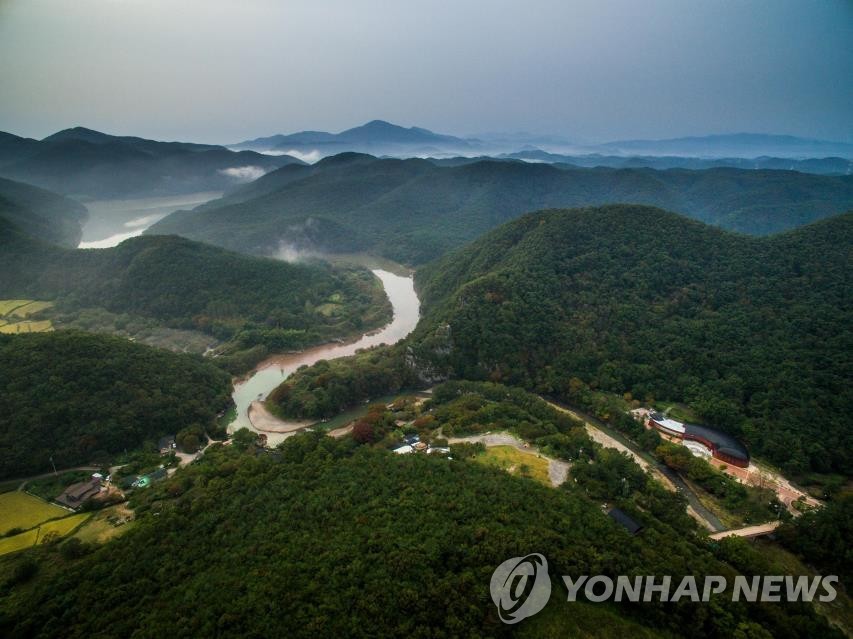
{"x": 621, "y": 517}
{"x": 402, "y": 450}
{"x": 76, "y": 494}
{"x": 722, "y": 441}
{"x": 669, "y": 424}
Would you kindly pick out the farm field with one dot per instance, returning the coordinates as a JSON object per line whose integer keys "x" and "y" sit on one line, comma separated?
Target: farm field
{"x": 13, "y": 314}
{"x": 18, "y": 542}
{"x": 516, "y": 462}
{"x": 62, "y": 526}
{"x": 20, "y": 510}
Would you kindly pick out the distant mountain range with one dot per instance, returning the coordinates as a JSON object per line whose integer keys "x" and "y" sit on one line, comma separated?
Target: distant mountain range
{"x": 742, "y": 150}
{"x": 818, "y": 166}
{"x": 377, "y": 137}
{"x": 88, "y": 164}
{"x": 414, "y": 210}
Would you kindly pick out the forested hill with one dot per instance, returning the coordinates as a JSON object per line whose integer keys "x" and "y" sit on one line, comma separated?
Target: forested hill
{"x": 90, "y": 164}
{"x": 413, "y": 210}
{"x": 78, "y": 397}
{"x": 326, "y": 540}
{"x": 42, "y": 214}
{"x": 188, "y": 285}
{"x": 754, "y": 333}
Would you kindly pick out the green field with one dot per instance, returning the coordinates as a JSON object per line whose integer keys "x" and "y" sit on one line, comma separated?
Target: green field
{"x": 516, "y": 462}
{"x": 20, "y": 510}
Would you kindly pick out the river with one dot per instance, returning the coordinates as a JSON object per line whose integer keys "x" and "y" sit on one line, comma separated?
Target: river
{"x": 111, "y": 222}
{"x": 274, "y": 370}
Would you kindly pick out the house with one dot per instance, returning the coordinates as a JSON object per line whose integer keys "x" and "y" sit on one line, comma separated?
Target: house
{"x": 411, "y": 440}
{"x": 625, "y": 520}
{"x": 167, "y": 444}
{"x": 404, "y": 450}
{"x": 76, "y": 495}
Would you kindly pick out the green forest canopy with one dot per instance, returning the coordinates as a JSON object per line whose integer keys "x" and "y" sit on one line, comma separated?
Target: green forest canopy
{"x": 79, "y": 397}
{"x": 338, "y": 540}
{"x": 412, "y": 210}
{"x": 754, "y": 333}
{"x": 188, "y": 285}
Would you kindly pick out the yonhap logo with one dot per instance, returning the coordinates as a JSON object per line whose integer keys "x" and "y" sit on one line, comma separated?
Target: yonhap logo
{"x": 521, "y": 587}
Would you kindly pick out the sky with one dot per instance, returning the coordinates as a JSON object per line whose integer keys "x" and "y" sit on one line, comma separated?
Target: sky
{"x": 222, "y": 71}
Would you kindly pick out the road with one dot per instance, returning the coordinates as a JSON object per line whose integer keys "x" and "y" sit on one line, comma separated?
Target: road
{"x": 25, "y": 480}
{"x": 665, "y": 475}
{"x": 749, "y": 531}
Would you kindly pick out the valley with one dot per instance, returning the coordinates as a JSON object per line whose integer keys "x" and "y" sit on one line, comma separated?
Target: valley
{"x": 426, "y": 320}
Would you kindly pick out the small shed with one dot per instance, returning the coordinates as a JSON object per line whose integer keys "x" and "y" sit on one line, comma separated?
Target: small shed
{"x": 625, "y": 520}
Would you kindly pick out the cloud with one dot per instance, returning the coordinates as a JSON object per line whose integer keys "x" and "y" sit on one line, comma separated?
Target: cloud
{"x": 310, "y": 157}
{"x": 289, "y": 252}
{"x": 244, "y": 173}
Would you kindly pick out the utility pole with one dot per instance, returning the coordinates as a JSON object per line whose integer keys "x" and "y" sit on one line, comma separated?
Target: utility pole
{"x": 54, "y": 465}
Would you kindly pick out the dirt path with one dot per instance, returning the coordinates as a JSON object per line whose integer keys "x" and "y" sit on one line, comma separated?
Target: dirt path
{"x": 265, "y": 422}
{"x": 749, "y": 531}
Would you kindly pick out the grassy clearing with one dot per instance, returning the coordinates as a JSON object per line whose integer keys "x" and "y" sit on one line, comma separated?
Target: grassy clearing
{"x": 516, "y": 462}
{"x": 20, "y": 510}
{"x": 329, "y": 309}
{"x": 105, "y": 525}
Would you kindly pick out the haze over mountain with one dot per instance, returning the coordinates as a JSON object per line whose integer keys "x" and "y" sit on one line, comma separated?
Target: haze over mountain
{"x": 413, "y": 210}
{"x": 816, "y": 165}
{"x": 42, "y": 214}
{"x": 738, "y": 145}
{"x": 378, "y": 137}
{"x": 88, "y": 164}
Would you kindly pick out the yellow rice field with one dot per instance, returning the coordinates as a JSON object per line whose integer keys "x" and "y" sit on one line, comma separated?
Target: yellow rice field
{"x": 29, "y": 308}
{"x": 20, "y": 510}
{"x": 18, "y": 542}
{"x": 13, "y": 314}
